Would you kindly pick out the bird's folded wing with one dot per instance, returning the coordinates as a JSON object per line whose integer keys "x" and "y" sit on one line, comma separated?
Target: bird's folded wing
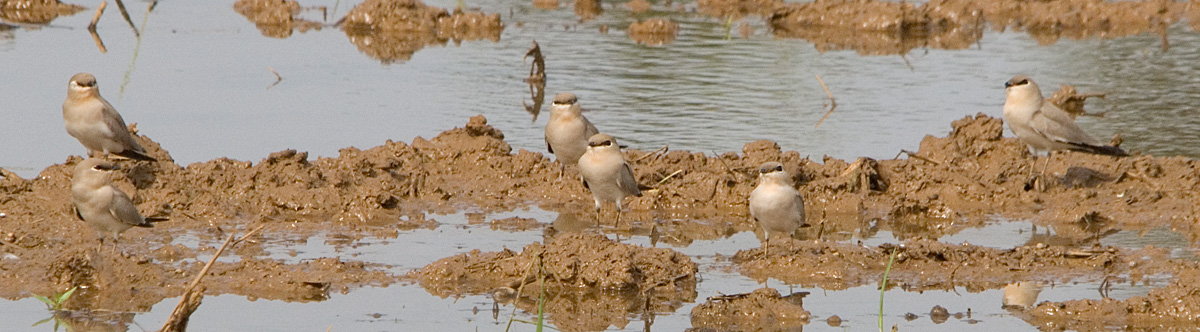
{"x": 627, "y": 182}
{"x": 123, "y": 209}
{"x": 1056, "y": 125}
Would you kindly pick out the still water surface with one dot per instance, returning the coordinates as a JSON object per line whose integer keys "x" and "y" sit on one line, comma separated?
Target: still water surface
{"x": 198, "y": 83}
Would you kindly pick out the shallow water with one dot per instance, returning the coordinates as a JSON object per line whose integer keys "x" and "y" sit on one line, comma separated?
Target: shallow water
{"x": 198, "y": 83}
{"x": 407, "y": 306}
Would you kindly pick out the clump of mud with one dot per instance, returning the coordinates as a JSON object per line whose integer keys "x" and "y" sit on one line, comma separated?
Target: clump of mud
{"x": 653, "y": 32}
{"x": 761, "y": 310}
{"x": 1072, "y": 101}
{"x": 591, "y": 282}
{"x": 927, "y": 265}
{"x": 275, "y": 18}
{"x": 392, "y": 30}
{"x": 35, "y": 11}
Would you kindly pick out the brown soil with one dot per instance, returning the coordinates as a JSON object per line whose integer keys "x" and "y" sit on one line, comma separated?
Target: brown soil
{"x": 879, "y": 27}
{"x": 35, "y": 11}
{"x": 590, "y": 282}
{"x": 275, "y": 18}
{"x": 952, "y": 182}
{"x": 392, "y": 30}
{"x": 761, "y": 310}
{"x": 653, "y": 32}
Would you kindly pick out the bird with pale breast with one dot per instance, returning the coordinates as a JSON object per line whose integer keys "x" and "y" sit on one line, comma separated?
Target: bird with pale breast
{"x": 606, "y": 174}
{"x": 775, "y": 204}
{"x": 104, "y": 207}
{"x": 567, "y": 131}
{"x": 95, "y": 123}
{"x": 1045, "y": 127}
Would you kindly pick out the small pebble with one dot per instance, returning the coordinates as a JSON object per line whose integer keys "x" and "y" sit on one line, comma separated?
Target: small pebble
{"x": 834, "y": 321}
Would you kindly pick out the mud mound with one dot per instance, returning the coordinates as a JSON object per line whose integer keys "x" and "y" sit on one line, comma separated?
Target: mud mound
{"x": 1165, "y": 306}
{"x": 590, "y": 282}
{"x": 35, "y": 11}
{"x": 761, "y": 310}
{"x": 925, "y": 265}
{"x": 392, "y": 30}
{"x": 653, "y": 32}
{"x": 275, "y": 18}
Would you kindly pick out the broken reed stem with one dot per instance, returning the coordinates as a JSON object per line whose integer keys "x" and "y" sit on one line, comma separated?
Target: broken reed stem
{"x": 96, "y": 18}
{"x": 662, "y": 149}
{"x": 832, "y": 102}
{"x": 668, "y": 177}
{"x": 277, "y": 78}
{"x": 178, "y": 315}
{"x": 511, "y": 316}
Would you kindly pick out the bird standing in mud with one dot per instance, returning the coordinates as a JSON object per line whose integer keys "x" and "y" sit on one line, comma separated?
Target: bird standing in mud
{"x": 95, "y": 123}
{"x": 567, "y": 131}
{"x": 107, "y": 209}
{"x": 774, "y": 203}
{"x": 1044, "y": 127}
{"x": 606, "y": 174}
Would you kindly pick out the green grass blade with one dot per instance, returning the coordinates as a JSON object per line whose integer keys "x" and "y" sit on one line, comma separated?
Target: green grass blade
{"x": 883, "y": 287}
{"x": 62, "y": 298}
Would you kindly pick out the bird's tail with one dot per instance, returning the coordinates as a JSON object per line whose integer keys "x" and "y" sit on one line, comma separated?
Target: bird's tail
{"x": 137, "y": 155}
{"x": 1107, "y": 150}
{"x": 151, "y": 220}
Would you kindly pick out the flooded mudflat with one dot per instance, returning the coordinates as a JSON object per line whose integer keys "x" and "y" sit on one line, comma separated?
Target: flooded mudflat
{"x": 328, "y": 124}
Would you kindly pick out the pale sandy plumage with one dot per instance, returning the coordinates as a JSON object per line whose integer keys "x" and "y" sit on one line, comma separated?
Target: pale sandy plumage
{"x": 1043, "y": 126}
{"x": 567, "y": 131}
{"x": 605, "y": 172}
{"x": 775, "y": 203}
{"x": 104, "y": 207}
{"x": 95, "y": 123}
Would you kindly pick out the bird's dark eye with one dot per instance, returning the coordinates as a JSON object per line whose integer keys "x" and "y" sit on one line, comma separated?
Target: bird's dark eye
{"x": 779, "y": 168}
{"x": 572, "y": 101}
{"x": 98, "y": 168}
{"x": 606, "y": 143}
{"x": 1023, "y": 82}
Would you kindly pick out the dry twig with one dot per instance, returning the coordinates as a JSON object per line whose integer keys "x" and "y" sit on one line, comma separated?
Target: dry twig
{"x": 191, "y": 296}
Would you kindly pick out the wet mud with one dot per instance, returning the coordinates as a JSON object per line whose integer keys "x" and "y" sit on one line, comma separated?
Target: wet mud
{"x": 958, "y": 180}
{"x": 880, "y": 27}
{"x": 392, "y": 30}
{"x": 764, "y": 309}
{"x": 590, "y": 282}
{"x": 35, "y": 11}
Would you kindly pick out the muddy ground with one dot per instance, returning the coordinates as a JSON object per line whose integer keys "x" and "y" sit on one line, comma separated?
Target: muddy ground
{"x": 957, "y": 180}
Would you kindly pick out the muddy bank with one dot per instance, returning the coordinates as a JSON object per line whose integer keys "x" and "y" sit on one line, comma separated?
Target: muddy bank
{"x": 35, "y": 11}
{"x": 761, "y": 310}
{"x": 951, "y": 182}
{"x": 392, "y": 30}
{"x": 590, "y": 281}
{"x": 880, "y": 27}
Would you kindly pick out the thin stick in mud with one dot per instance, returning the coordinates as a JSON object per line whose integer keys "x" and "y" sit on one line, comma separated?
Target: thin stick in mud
{"x": 191, "y": 298}
{"x": 832, "y": 102}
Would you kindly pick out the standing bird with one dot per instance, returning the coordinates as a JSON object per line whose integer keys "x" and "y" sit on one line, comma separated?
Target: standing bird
{"x": 99, "y": 203}
{"x": 606, "y": 174}
{"x": 95, "y": 123}
{"x": 774, "y": 203}
{"x": 1043, "y": 126}
{"x": 567, "y": 131}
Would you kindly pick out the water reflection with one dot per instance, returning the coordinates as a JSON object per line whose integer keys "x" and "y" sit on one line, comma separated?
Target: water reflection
{"x": 36, "y": 11}
{"x": 275, "y": 18}
{"x": 392, "y": 31}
